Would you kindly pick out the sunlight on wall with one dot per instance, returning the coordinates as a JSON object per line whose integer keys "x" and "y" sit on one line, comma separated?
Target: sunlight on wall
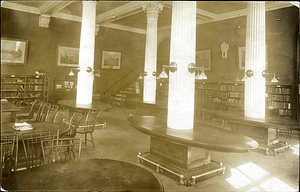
{"x": 275, "y": 184}
{"x": 253, "y": 171}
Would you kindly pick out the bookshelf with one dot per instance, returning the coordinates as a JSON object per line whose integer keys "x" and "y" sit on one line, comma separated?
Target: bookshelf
{"x": 22, "y": 90}
{"x": 280, "y": 97}
{"x": 64, "y": 89}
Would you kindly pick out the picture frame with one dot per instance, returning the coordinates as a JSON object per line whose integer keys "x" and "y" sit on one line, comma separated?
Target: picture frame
{"x": 242, "y": 57}
{"x": 111, "y": 60}
{"x": 14, "y": 51}
{"x": 67, "y": 56}
{"x": 203, "y": 59}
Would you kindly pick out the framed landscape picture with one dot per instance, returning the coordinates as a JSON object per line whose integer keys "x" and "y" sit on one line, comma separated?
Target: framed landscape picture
{"x": 14, "y": 51}
{"x": 203, "y": 59}
{"x": 111, "y": 60}
{"x": 68, "y": 56}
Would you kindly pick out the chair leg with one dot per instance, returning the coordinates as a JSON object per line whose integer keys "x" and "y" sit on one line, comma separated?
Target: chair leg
{"x": 92, "y": 139}
{"x": 85, "y": 138}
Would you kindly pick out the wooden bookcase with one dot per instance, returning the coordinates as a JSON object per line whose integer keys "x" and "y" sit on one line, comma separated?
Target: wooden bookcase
{"x": 22, "y": 90}
{"x": 64, "y": 89}
{"x": 225, "y": 95}
{"x": 280, "y": 97}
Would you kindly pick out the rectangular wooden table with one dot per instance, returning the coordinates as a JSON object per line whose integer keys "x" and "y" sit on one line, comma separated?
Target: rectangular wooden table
{"x": 8, "y": 111}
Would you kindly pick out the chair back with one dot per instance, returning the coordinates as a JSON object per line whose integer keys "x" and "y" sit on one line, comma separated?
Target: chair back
{"x": 51, "y": 113}
{"x": 32, "y": 146}
{"x": 61, "y": 115}
{"x": 44, "y": 112}
{"x": 73, "y": 124}
{"x": 8, "y": 153}
{"x": 31, "y": 112}
{"x": 41, "y": 107}
{"x": 91, "y": 120}
{"x": 62, "y": 149}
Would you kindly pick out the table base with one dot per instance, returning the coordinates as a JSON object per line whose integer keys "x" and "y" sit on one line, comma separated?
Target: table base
{"x": 274, "y": 149}
{"x": 182, "y": 176}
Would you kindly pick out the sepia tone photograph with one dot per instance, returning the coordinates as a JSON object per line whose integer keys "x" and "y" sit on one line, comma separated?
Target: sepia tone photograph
{"x": 147, "y": 96}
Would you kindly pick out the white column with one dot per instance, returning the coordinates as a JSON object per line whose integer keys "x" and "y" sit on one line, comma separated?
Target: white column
{"x": 255, "y": 60}
{"x": 152, "y": 10}
{"x": 86, "y": 53}
{"x": 182, "y": 82}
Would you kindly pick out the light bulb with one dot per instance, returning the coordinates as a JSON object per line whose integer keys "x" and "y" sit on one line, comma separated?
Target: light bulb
{"x": 140, "y": 77}
{"x": 245, "y": 77}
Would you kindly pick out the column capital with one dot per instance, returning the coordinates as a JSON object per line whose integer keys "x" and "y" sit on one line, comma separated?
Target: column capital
{"x": 152, "y": 9}
{"x": 89, "y": 2}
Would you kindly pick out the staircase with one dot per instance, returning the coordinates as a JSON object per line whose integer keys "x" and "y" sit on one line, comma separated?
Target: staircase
{"x": 133, "y": 90}
{"x": 126, "y": 87}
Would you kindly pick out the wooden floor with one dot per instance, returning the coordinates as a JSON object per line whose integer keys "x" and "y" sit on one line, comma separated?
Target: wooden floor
{"x": 246, "y": 171}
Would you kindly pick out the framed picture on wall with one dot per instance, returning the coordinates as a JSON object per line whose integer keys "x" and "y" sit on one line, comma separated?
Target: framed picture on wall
{"x": 203, "y": 59}
{"x": 111, "y": 60}
{"x": 68, "y": 56}
{"x": 242, "y": 54}
{"x": 14, "y": 51}
{"x": 242, "y": 58}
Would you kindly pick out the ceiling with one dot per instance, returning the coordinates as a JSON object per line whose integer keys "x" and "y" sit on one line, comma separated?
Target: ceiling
{"x": 129, "y": 15}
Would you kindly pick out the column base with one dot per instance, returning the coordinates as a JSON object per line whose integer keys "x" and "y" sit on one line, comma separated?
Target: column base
{"x": 185, "y": 177}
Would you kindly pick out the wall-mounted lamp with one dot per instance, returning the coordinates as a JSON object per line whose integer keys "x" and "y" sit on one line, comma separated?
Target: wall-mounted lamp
{"x": 249, "y": 73}
{"x": 96, "y": 73}
{"x": 142, "y": 75}
{"x": 245, "y": 77}
{"x": 172, "y": 67}
{"x": 155, "y": 74}
{"x": 274, "y": 80}
{"x": 201, "y": 76}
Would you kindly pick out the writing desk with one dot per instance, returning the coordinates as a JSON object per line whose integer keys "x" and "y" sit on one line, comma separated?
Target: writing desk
{"x": 84, "y": 175}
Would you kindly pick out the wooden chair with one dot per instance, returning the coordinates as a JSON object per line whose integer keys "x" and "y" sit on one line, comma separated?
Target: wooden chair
{"x": 62, "y": 149}
{"x": 32, "y": 146}
{"x": 30, "y": 115}
{"x": 41, "y": 108}
{"x": 9, "y": 143}
{"x": 62, "y": 114}
{"x": 89, "y": 125}
{"x": 51, "y": 113}
{"x": 44, "y": 112}
{"x": 73, "y": 125}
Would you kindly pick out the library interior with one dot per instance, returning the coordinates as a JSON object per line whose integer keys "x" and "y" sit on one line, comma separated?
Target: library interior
{"x": 150, "y": 95}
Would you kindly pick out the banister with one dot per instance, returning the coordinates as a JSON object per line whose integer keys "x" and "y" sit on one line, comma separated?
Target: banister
{"x": 126, "y": 75}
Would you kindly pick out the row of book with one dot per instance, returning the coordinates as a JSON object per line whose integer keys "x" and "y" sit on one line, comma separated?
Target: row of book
{"x": 285, "y": 112}
{"x": 12, "y": 88}
{"x": 236, "y": 94}
{"x": 279, "y": 90}
{"x": 22, "y": 80}
{"x": 280, "y": 97}
{"x": 5, "y": 95}
{"x": 282, "y": 105}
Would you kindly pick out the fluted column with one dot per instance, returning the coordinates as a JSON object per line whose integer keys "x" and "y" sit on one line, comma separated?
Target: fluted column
{"x": 182, "y": 82}
{"x": 152, "y": 10}
{"x": 86, "y": 54}
{"x": 255, "y": 60}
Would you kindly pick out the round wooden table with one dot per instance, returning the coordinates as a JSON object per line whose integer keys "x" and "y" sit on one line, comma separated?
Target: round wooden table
{"x": 84, "y": 175}
{"x": 37, "y": 126}
{"x": 95, "y": 105}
